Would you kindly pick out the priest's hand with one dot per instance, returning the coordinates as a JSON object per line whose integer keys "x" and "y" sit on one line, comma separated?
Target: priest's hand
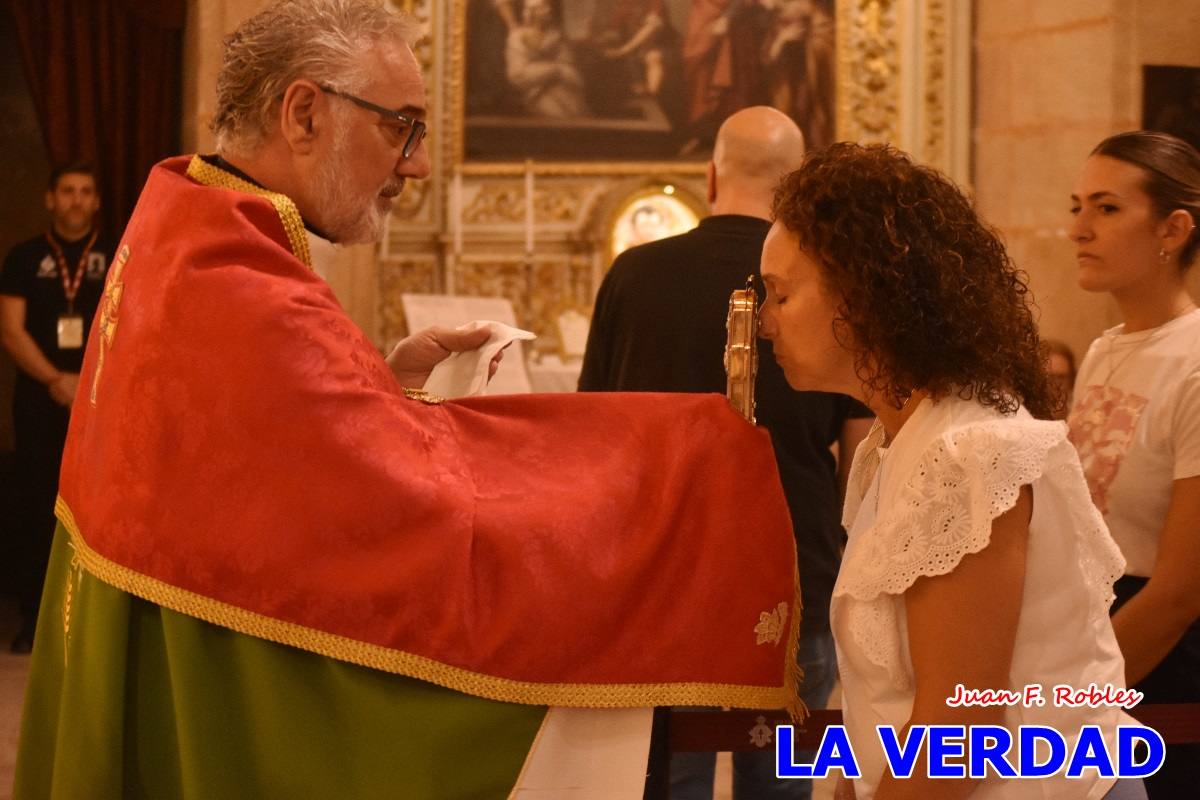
{"x": 415, "y": 357}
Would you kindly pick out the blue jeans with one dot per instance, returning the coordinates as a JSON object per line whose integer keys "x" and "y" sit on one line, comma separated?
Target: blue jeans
{"x": 754, "y": 772}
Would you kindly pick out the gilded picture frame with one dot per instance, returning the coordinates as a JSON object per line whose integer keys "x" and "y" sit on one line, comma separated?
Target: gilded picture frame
{"x": 498, "y": 126}
{"x": 902, "y": 75}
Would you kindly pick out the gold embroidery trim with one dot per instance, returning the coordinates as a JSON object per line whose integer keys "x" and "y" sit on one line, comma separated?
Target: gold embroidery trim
{"x": 113, "y": 289}
{"x": 769, "y": 629}
{"x": 577, "y": 695}
{"x": 429, "y": 398}
{"x": 201, "y": 171}
{"x": 74, "y": 584}
{"x": 793, "y": 672}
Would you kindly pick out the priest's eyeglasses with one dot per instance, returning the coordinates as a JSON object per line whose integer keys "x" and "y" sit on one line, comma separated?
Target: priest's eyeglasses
{"x": 416, "y": 128}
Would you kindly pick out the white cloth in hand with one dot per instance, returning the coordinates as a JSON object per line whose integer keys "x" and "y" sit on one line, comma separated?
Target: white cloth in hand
{"x": 465, "y": 374}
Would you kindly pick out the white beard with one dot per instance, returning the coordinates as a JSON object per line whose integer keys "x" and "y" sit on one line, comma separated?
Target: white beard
{"x": 346, "y": 218}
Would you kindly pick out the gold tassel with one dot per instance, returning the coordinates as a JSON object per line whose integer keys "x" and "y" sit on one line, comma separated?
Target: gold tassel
{"x": 74, "y": 576}
{"x": 794, "y": 676}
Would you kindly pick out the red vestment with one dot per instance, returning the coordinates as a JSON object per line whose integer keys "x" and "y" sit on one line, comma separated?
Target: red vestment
{"x": 240, "y": 452}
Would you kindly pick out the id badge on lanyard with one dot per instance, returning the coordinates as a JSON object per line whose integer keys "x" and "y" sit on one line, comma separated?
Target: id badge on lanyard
{"x": 70, "y": 324}
{"x": 70, "y": 332}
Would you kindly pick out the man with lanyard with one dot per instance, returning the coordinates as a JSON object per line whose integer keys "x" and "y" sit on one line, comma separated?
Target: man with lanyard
{"x": 49, "y": 290}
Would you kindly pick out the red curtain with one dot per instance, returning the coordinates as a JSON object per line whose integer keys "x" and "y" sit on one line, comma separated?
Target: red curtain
{"x": 105, "y": 77}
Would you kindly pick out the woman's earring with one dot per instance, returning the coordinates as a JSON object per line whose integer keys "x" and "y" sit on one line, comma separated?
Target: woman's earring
{"x": 1163, "y": 256}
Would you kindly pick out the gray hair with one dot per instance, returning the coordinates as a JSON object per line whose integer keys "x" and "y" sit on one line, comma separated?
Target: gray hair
{"x": 322, "y": 40}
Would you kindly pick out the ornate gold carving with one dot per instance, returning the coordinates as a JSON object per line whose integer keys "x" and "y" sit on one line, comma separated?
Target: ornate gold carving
{"x": 455, "y": 82}
{"x": 493, "y": 278}
{"x": 410, "y": 202}
{"x": 497, "y": 202}
{"x": 539, "y": 292}
{"x": 581, "y": 292}
{"x": 549, "y": 294}
{"x": 613, "y": 169}
{"x": 397, "y": 278}
{"x": 934, "y": 97}
{"x": 111, "y": 303}
{"x": 421, "y": 13}
{"x": 868, "y": 69}
{"x": 769, "y": 629}
{"x": 504, "y": 202}
{"x": 557, "y": 202}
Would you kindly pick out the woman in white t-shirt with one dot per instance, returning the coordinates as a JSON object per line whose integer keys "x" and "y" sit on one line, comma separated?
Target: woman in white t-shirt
{"x": 1136, "y": 418}
{"x": 975, "y": 559}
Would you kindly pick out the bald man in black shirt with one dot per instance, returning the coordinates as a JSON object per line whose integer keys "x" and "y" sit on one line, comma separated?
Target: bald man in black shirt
{"x": 659, "y": 326}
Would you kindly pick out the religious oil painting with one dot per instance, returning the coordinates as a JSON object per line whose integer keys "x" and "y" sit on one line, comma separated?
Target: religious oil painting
{"x": 1171, "y": 101}
{"x": 633, "y": 80}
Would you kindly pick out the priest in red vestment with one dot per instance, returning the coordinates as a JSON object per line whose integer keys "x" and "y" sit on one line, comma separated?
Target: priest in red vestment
{"x": 281, "y": 571}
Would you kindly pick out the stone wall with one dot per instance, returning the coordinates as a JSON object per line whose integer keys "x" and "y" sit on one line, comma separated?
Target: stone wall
{"x": 1051, "y": 80}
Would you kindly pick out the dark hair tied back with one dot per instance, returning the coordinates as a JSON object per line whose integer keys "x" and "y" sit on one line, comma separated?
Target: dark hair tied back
{"x": 1172, "y": 176}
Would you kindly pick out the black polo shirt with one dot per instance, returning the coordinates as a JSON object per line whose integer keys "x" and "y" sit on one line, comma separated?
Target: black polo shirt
{"x": 32, "y": 273}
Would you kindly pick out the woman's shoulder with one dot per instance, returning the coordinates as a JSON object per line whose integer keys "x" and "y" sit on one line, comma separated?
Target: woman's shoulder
{"x": 1185, "y": 340}
{"x": 1175, "y": 346}
{"x": 964, "y": 443}
{"x": 954, "y": 419}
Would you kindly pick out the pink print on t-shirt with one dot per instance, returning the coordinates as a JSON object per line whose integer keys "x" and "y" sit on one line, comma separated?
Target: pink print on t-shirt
{"x": 1102, "y": 425}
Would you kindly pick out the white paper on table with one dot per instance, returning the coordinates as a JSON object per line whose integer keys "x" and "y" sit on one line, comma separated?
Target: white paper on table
{"x": 588, "y": 754}
{"x": 465, "y": 374}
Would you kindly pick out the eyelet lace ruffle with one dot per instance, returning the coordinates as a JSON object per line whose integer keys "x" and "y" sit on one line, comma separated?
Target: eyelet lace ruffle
{"x": 962, "y": 482}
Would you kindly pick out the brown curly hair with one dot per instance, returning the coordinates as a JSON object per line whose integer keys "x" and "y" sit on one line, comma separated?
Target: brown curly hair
{"x": 928, "y": 293}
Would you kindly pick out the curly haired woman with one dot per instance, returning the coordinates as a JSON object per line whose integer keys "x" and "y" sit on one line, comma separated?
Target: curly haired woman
{"x": 975, "y": 558}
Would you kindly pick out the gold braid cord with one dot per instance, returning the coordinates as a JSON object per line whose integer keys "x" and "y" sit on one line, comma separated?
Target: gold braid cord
{"x": 74, "y": 583}
{"x": 578, "y": 695}
{"x": 201, "y": 171}
{"x": 428, "y": 398}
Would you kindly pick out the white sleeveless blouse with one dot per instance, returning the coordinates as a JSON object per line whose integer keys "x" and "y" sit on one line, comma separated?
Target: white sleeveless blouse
{"x": 915, "y": 509}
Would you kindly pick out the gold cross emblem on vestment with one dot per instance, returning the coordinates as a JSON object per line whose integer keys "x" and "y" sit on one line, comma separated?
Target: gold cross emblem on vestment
{"x": 108, "y": 314}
